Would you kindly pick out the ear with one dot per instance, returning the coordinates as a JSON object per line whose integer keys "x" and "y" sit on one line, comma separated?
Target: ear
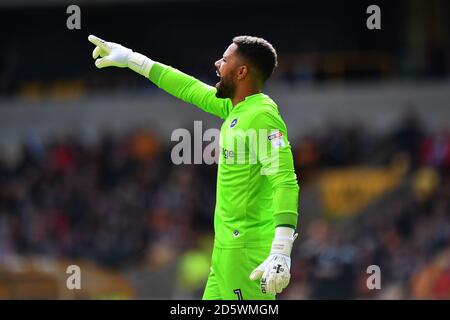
{"x": 242, "y": 72}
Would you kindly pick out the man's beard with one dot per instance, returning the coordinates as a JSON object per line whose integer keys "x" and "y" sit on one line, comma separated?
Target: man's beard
{"x": 225, "y": 89}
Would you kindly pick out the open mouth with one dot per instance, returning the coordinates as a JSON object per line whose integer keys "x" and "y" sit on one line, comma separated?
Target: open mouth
{"x": 220, "y": 78}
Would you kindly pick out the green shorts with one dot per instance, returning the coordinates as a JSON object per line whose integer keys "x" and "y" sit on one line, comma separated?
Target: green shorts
{"x": 230, "y": 272}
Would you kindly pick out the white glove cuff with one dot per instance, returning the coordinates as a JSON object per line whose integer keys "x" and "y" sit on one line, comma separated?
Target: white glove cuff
{"x": 282, "y": 243}
{"x": 140, "y": 63}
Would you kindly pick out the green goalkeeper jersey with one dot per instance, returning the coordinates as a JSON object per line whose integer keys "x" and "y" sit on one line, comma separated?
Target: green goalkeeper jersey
{"x": 257, "y": 188}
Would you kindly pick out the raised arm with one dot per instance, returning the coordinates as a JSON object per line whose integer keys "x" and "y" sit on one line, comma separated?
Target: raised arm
{"x": 189, "y": 89}
{"x": 171, "y": 80}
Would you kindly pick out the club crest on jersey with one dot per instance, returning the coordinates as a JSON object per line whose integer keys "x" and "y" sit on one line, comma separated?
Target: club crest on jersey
{"x": 276, "y": 139}
{"x": 233, "y": 122}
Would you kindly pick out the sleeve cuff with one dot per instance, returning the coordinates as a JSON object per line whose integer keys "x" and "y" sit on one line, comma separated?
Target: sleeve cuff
{"x": 156, "y": 71}
{"x": 286, "y": 218}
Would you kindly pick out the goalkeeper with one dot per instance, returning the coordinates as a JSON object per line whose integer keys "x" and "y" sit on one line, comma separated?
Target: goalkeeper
{"x": 256, "y": 207}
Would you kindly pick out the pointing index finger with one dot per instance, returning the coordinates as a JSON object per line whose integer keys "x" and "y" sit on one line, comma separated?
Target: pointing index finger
{"x": 98, "y": 42}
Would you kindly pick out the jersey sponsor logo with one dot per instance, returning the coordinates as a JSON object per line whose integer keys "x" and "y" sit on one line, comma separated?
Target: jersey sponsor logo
{"x": 233, "y": 122}
{"x": 227, "y": 153}
{"x": 276, "y": 139}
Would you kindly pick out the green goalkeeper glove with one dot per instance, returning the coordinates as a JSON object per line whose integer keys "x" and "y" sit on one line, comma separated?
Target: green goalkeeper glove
{"x": 115, "y": 55}
{"x": 274, "y": 272}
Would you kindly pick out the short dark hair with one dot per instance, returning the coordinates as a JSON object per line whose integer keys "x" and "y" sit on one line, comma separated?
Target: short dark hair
{"x": 259, "y": 53}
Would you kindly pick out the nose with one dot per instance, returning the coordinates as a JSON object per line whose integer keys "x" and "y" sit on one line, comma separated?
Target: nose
{"x": 217, "y": 63}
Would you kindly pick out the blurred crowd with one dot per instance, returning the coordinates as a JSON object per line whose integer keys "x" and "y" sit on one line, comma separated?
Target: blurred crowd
{"x": 402, "y": 235}
{"x": 406, "y": 233}
{"x": 107, "y": 203}
{"x": 122, "y": 202}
